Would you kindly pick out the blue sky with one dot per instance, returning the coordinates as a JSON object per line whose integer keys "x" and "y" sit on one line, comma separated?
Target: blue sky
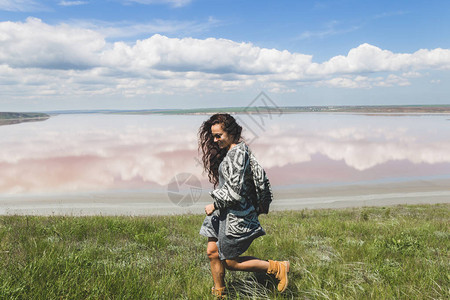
{"x": 138, "y": 54}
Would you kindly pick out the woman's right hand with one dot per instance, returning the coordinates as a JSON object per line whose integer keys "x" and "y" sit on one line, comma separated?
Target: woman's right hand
{"x": 209, "y": 209}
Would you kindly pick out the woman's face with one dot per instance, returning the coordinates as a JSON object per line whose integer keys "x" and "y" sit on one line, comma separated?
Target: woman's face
{"x": 222, "y": 138}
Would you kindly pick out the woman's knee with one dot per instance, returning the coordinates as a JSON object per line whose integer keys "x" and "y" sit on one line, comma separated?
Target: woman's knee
{"x": 230, "y": 264}
{"x": 212, "y": 254}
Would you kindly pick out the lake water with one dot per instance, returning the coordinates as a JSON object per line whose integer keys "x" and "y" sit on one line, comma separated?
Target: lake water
{"x": 301, "y": 153}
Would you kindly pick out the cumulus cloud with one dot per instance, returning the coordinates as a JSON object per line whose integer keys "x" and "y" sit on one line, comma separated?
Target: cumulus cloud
{"x": 369, "y": 58}
{"x": 210, "y": 55}
{"x": 34, "y": 44}
{"x": 71, "y": 58}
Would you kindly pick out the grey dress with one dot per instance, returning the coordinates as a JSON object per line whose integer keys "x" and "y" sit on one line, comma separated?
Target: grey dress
{"x": 235, "y": 222}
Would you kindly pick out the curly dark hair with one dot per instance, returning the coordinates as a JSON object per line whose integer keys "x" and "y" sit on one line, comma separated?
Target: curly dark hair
{"x": 212, "y": 154}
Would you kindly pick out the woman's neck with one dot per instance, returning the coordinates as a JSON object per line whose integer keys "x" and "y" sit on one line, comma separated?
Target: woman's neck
{"x": 231, "y": 146}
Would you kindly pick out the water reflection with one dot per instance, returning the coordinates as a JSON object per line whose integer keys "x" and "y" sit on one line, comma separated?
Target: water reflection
{"x": 101, "y": 152}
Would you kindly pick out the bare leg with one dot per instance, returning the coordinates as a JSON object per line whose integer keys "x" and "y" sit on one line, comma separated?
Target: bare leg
{"x": 217, "y": 268}
{"x": 247, "y": 263}
{"x": 252, "y": 264}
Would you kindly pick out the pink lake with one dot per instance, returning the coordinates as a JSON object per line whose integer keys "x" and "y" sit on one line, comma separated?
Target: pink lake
{"x": 100, "y": 153}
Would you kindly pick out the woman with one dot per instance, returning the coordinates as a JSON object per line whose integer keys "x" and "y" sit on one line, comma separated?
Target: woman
{"x": 232, "y": 222}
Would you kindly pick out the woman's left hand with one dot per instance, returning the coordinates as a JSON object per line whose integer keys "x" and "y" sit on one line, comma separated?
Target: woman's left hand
{"x": 209, "y": 209}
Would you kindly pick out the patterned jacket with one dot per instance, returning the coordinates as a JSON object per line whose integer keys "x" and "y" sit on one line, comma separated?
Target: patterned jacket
{"x": 241, "y": 182}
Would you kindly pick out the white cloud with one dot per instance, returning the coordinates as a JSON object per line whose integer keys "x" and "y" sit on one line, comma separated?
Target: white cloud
{"x": 225, "y": 56}
{"x": 210, "y": 55}
{"x": 393, "y": 80}
{"x": 359, "y": 81}
{"x": 369, "y": 58}
{"x": 36, "y": 44}
{"x": 330, "y": 30}
{"x": 174, "y": 3}
{"x": 72, "y": 3}
{"x": 21, "y": 5}
{"x": 129, "y": 29}
{"x": 41, "y": 59}
{"x": 412, "y": 74}
{"x": 390, "y": 14}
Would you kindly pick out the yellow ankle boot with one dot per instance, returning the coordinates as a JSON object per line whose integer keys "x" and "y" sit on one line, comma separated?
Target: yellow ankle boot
{"x": 280, "y": 269}
{"x": 219, "y": 293}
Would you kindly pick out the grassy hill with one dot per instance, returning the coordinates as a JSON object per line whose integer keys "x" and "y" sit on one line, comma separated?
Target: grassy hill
{"x": 398, "y": 252}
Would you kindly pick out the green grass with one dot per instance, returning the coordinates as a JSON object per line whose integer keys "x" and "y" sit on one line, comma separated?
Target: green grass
{"x": 399, "y": 252}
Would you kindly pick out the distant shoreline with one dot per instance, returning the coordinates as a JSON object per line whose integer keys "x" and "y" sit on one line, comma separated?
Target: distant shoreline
{"x": 408, "y": 109}
{"x": 376, "y": 109}
{"x": 8, "y": 118}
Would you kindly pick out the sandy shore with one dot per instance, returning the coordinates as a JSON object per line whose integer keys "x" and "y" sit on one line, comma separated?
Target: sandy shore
{"x": 161, "y": 203}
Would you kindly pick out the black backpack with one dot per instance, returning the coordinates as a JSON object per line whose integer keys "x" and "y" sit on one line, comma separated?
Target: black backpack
{"x": 263, "y": 189}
